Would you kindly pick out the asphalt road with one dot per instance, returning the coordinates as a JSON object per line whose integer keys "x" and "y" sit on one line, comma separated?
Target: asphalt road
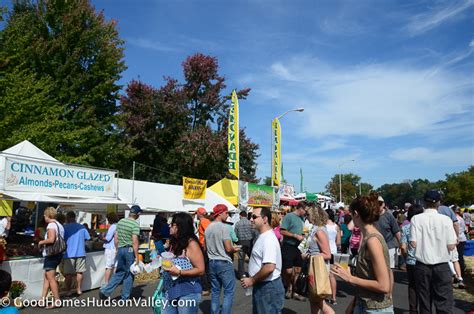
{"x": 242, "y": 303}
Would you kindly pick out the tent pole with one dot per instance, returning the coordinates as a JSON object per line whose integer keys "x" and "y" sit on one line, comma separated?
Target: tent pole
{"x": 133, "y": 183}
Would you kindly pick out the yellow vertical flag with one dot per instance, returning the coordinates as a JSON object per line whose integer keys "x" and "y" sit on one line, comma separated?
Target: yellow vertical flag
{"x": 276, "y": 158}
{"x": 233, "y": 136}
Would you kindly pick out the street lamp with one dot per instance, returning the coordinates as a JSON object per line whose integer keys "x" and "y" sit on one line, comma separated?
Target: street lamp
{"x": 340, "y": 178}
{"x": 271, "y": 133}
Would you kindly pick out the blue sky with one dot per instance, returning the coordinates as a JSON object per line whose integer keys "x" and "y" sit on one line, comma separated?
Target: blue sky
{"x": 389, "y": 84}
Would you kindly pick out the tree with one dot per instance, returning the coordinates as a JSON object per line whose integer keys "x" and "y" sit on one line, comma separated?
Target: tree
{"x": 349, "y": 186}
{"x": 460, "y": 188}
{"x": 59, "y": 64}
{"x": 181, "y": 129}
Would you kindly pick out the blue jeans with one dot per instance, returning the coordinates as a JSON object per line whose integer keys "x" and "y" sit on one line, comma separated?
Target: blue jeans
{"x": 222, "y": 276}
{"x": 268, "y": 297}
{"x": 125, "y": 259}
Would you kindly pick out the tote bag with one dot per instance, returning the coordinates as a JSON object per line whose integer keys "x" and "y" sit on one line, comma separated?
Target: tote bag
{"x": 319, "y": 286}
{"x": 59, "y": 245}
{"x": 158, "y": 298}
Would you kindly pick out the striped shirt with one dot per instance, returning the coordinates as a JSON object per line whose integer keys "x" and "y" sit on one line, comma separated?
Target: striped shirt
{"x": 127, "y": 227}
{"x": 243, "y": 229}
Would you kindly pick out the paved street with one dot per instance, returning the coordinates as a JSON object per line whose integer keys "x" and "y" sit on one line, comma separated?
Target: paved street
{"x": 242, "y": 304}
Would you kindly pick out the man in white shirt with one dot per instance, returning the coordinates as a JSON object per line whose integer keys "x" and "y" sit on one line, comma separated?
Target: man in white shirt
{"x": 265, "y": 266}
{"x": 433, "y": 237}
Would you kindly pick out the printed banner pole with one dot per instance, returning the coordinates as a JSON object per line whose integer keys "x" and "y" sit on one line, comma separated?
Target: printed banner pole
{"x": 233, "y": 137}
{"x": 276, "y": 158}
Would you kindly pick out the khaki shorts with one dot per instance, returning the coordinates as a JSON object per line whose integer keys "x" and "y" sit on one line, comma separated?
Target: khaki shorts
{"x": 74, "y": 265}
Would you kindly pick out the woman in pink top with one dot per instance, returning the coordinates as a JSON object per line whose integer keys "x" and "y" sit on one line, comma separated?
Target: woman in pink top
{"x": 276, "y": 224}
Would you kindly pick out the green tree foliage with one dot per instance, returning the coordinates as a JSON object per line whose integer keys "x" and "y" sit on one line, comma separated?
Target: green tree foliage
{"x": 349, "y": 187}
{"x": 181, "y": 129}
{"x": 460, "y": 188}
{"x": 59, "y": 64}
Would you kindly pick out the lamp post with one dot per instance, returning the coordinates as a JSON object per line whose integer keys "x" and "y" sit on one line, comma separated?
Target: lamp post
{"x": 271, "y": 133}
{"x": 340, "y": 178}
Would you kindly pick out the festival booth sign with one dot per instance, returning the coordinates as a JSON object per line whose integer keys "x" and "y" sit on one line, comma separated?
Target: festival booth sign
{"x": 29, "y": 175}
{"x": 260, "y": 195}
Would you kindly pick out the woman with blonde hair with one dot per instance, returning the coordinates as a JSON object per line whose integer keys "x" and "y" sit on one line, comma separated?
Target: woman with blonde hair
{"x": 318, "y": 244}
{"x": 276, "y": 224}
{"x": 53, "y": 230}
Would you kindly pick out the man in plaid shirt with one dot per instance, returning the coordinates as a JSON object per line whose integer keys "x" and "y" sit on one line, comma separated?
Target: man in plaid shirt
{"x": 244, "y": 231}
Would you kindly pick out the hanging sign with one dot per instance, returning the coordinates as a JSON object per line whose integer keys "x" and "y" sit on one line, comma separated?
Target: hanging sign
{"x": 194, "y": 188}
{"x": 26, "y": 175}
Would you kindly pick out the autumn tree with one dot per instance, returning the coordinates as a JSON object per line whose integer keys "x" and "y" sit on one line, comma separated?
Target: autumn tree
{"x": 59, "y": 66}
{"x": 180, "y": 129}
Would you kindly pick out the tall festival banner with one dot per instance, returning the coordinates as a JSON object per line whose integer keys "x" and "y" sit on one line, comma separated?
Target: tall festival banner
{"x": 276, "y": 158}
{"x": 233, "y": 137}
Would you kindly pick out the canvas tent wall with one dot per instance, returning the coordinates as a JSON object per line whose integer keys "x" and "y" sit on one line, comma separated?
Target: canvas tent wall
{"x": 156, "y": 197}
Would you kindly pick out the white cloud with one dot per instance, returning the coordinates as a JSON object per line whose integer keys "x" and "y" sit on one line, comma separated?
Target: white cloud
{"x": 369, "y": 100}
{"x": 151, "y": 44}
{"x": 431, "y": 19}
{"x": 442, "y": 157}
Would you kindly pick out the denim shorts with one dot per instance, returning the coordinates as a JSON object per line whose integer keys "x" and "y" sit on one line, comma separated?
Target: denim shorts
{"x": 360, "y": 308}
{"x": 51, "y": 262}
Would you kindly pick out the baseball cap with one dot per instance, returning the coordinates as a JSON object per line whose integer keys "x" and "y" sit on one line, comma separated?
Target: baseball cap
{"x": 135, "y": 209}
{"x": 201, "y": 211}
{"x": 219, "y": 209}
{"x": 432, "y": 196}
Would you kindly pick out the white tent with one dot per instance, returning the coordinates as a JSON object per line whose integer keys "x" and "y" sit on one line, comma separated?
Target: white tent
{"x": 157, "y": 197}
{"x": 27, "y": 150}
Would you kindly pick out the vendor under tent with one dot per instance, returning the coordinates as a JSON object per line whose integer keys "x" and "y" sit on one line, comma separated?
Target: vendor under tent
{"x": 31, "y": 180}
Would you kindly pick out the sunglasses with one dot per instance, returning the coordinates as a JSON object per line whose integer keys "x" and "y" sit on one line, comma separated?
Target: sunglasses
{"x": 255, "y": 217}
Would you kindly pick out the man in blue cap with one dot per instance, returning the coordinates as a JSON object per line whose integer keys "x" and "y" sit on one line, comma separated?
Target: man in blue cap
{"x": 433, "y": 237}
{"x": 126, "y": 240}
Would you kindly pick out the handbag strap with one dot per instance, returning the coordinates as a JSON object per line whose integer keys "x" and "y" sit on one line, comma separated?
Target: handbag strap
{"x": 57, "y": 232}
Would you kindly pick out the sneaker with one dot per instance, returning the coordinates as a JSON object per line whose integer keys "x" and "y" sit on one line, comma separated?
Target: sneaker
{"x": 288, "y": 295}
{"x": 298, "y": 297}
{"x": 102, "y": 296}
{"x": 461, "y": 285}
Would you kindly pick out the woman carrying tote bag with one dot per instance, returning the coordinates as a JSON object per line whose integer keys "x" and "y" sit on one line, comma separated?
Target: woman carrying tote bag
{"x": 318, "y": 245}
{"x": 54, "y": 233}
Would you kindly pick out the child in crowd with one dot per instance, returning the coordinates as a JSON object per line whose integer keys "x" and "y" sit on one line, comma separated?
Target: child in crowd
{"x": 5, "y": 285}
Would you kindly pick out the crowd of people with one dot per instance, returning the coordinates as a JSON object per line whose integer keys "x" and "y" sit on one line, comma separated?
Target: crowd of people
{"x": 272, "y": 248}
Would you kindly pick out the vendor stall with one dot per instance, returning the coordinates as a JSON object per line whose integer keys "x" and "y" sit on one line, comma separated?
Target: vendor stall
{"x": 31, "y": 180}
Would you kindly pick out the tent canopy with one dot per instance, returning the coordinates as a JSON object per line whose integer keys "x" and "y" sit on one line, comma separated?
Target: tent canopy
{"x": 156, "y": 197}
{"x": 228, "y": 189}
{"x": 27, "y": 150}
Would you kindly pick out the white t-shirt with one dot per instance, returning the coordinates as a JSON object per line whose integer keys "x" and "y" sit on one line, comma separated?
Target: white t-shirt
{"x": 266, "y": 250}
{"x": 3, "y": 227}
{"x": 432, "y": 232}
{"x": 54, "y": 226}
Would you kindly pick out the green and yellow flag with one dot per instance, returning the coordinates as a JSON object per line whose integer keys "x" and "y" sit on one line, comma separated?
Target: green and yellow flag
{"x": 276, "y": 158}
{"x": 233, "y": 136}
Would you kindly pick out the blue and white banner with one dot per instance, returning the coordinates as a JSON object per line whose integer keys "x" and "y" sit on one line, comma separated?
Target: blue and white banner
{"x": 26, "y": 175}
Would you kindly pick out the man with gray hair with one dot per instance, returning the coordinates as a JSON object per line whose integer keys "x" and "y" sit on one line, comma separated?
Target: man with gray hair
{"x": 433, "y": 237}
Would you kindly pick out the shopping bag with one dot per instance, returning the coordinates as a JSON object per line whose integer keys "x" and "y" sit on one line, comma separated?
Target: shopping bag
{"x": 158, "y": 298}
{"x": 319, "y": 286}
{"x": 301, "y": 284}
